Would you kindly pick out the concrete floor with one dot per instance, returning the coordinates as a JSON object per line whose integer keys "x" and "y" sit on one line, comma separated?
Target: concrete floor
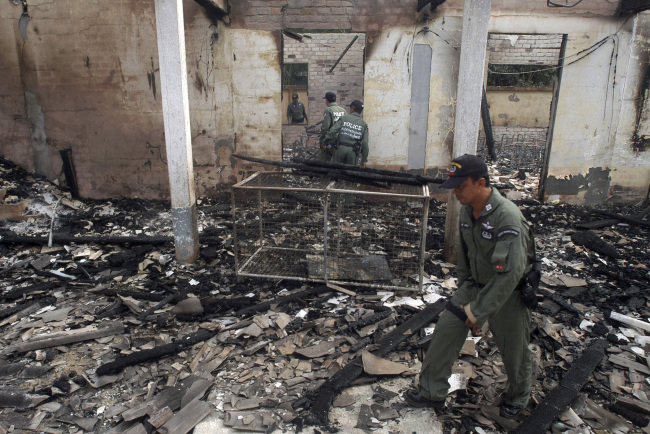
{"x": 345, "y": 419}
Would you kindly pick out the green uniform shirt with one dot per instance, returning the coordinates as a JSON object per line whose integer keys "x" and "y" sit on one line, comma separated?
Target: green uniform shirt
{"x": 496, "y": 250}
{"x": 333, "y": 113}
{"x": 350, "y": 129}
{"x": 296, "y": 112}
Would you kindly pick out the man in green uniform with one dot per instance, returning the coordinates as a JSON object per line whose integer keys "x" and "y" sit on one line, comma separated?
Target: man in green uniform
{"x": 296, "y": 111}
{"x": 496, "y": 251}
{"x": 333, "y": 113}
{"x": 348, "y": 138}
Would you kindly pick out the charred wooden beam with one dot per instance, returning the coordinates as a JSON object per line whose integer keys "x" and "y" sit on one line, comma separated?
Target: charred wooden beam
{"x": 302, "y": 295}
{"x": 342, "y": 379}
{"x": 632, "y": 220}
{"x": 596, "y": 224}
{"x": 363, "y": 169}
{"x": 631, "y": 415}
{"x": 19, "y": 292}
{"x": 343, "y": 53}
{"x": 561, "y": 397}
{"x": 559, "y": 300}
{"x": 156, "y": 353}
{"x": 67, "y": 239}
{"x": 69, "y": 172}
{"x": 66, "y": 337}
{"x": 31, "y": 305}
{"x": 594, "y": 243}
{"x": 487, "y": 126}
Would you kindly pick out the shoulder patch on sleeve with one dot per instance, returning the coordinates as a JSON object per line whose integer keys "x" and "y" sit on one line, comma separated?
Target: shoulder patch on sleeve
{"x": 508, "y": 232}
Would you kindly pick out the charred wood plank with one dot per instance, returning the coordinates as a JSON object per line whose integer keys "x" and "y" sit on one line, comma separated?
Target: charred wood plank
{"x": 343, "y": 53}
{"x": 632, "y": 416}
{"x": 368, "y": 170}
{"x": 66, "y": 337}
{"x": 342, "y": 379}
{"x": 594, "y": 243}
{"x": 370, "y": 319}
{"x": 597, "y": 224}
{"x": 19, "y": 292}
{"x": 631, "y": 220}
{"x": 282, "y": 300}
{"x": 559, "y": 300}
{"x": 156, "y": 353}
{"x": 67, "y": 239}
{"x": 554, "y": 404}
{"x": 31, "y": 306}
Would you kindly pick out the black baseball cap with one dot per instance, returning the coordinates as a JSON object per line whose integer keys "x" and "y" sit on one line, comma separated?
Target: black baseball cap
{"x": 330, "y": 96}
{"x": 358, "y": 105}
{"x": 462, "y": 168}
{"x": 295, "y": 95}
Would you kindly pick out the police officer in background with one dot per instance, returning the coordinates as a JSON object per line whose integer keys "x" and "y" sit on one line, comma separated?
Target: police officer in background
{"x": 296, "y": 111}
{"x": 333, "y": 113}
{"x": 348, "y": 138}
{"x": 496, "y": 251}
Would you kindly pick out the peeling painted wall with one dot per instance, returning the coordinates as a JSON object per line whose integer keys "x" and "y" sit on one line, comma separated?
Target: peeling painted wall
{"x": 388, "y": 92}
{"x": 595, "y": 121}
{"x": 92, "y": 79}
{"x": 93, "y": 71}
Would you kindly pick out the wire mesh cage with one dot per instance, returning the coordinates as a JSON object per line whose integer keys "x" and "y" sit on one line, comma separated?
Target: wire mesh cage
{"x": 314, "y": 229}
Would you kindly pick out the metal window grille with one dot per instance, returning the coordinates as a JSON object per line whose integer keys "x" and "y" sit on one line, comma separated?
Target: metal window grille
{"x": 292, "y": 226}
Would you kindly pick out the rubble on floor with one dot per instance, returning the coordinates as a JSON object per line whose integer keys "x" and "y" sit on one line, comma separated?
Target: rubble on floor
{"x": 111, "y": 335}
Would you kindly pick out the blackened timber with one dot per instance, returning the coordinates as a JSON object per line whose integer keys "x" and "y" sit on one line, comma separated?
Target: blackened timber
{"x": 559, "y": 300}
{"x": 556, "y": 402}
{"x": 487, "y": 126}
{"x": 594, "y": 243}
{"x": 67, "y": 239}
{"x": 282, "y": 300}
{"x": 336, "y": 176}
{"x": 370, "y": 319}
{"x": 634, "y": 417}
{"x": 631, "y": 220}
{"x": 363, "y": 169}
{"x": 19, "y": 292}
{"x": 156, "y": 353}
{"x": 30, "y": 305}
{"x": 326, "y": 392}
{"x": 597, "y": 224}
{"x": 343, "y": 53}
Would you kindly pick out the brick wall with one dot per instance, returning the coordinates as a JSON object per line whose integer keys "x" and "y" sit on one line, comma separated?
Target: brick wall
{"x": 321, "y": 51}
{"x": 524, "y": 49}
{"x": 365, "y": 15}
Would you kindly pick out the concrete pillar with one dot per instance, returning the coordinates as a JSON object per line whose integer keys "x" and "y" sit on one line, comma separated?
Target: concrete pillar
{"x": 176, "y": 114}
{"x": 476, "y": 16}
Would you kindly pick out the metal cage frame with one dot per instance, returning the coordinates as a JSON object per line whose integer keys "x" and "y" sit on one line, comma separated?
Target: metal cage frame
{"x": 328, "y": 194}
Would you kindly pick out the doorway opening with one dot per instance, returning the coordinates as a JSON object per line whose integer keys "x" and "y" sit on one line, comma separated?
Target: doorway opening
{"x": 523, "y": 76}
{"x": 315, "y": 63}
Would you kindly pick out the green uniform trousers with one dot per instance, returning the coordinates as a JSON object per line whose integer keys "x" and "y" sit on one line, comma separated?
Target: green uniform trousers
{"x": 510, "y": 327}
{"x": 344, "y": 155}
{"x": 323, "y": 155}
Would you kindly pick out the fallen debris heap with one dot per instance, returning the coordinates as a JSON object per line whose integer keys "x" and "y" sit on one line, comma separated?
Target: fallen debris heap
{"x": 102, "y": 331}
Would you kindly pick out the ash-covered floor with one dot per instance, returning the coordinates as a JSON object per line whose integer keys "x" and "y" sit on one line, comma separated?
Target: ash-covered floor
{"x": 191, "y": 347}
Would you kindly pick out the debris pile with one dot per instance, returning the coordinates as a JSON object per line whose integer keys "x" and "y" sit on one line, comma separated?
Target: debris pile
{"x": 102, "y": 331}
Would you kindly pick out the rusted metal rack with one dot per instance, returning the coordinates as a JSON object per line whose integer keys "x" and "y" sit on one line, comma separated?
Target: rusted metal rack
{"x": 289, "y": 226}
